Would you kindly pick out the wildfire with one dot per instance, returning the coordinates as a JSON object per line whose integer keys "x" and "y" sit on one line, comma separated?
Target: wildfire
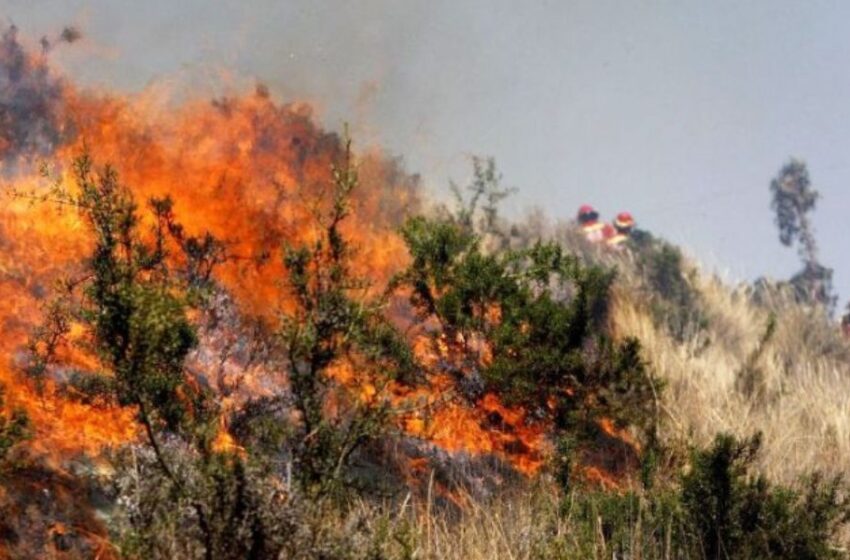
{"x": 224, "y": 442}
{"x": 246, "y": 169}
{"x": 438, "y": 414}
{"x": 251, "y": 172}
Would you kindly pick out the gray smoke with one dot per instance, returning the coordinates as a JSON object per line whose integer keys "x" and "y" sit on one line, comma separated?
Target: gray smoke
{"x": 32, "y": 109}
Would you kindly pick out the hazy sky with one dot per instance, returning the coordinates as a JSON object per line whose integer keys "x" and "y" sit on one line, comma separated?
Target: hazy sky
{"x": 681, "y": 112}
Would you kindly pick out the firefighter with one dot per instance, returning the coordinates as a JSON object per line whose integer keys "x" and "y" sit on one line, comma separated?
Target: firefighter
{"x": 624, "y": 224}
{"x": 608, "y": 233}
{"x": 845, "y": 325}
{"x": 588, "y": 221}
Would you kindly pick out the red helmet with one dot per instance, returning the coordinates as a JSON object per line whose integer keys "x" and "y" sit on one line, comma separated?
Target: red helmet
{"x": 624, "y": 220}
{"x": 586, "y": 213}
{"x": 608, "y": 231}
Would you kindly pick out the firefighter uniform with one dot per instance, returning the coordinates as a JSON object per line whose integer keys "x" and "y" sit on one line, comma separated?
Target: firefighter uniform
{"x": 591, "y": 227}
{"x": 623, "y": 226}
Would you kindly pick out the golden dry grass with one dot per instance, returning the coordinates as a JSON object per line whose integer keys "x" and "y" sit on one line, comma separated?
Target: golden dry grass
{"x": 802, "y": 407}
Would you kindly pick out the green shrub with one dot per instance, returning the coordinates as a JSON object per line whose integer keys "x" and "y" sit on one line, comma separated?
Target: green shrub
{"x": 331, "y": 322}
{"x": 544, "y": 318}
{"x": 738, "y": 514}
{"x": 718, "y": 508}
{"x": 673, "y": 301}
{"x": 94, "y": 389}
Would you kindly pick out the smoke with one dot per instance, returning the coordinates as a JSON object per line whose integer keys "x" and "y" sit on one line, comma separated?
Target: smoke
{"x": 32, "y": 111}
{"x": 69, "y": 34}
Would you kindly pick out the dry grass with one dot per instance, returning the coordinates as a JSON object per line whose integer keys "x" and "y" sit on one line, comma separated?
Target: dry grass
{"x": 531, "y": 525}
{"x": 802, "y": 405}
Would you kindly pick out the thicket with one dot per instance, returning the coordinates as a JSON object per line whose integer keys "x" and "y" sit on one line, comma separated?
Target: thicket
{"x": 673, "y": 300}
{"x": 531, "y": 325}
{"x": 181, "y": 495}
{"x": 717, "y": 508}
{"x": 538, "y": 317}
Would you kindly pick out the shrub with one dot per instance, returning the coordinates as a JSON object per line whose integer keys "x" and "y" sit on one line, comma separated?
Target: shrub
{"x": 543, "y": 318}
{"x": 738, "y": 514}
{"x": 331, "y": 324}
{"x": 134, "y": 305}
{"x": 673, "y": 301}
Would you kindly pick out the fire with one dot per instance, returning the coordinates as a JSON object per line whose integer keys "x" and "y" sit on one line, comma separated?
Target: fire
{"x": 38, "y": 246}
{"x": 224, "y": 442}
{"x": 607, "y": 426}
{"x": 438, "y": 414}
{"x": 246, "y": 169}
{"x": 601, "y": 478}
{"x": 251, "y": 172}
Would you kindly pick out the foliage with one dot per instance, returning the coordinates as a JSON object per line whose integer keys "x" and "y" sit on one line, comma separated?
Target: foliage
{"x": 629, "y": 525}
{"x": 133, "y": 306}
{"x": 253, "y": 515}
{"x": 793, "y": 200}
{"x": 750, "y": 379}
{"x": 334, "y": 325}
{"x": 133, "y": 302}
{"x": 674, "y": 302}
{"x": 813, "y": 284}
{"x": 736, "y": 514}
{"x": 243, "y": 510}
{"x": 530, "y": 325}
{"x": 480, "y": 212}
{"x": 94, "y": 389}
{"x": 542, "y": 316}
{"x": 717, "y": 508}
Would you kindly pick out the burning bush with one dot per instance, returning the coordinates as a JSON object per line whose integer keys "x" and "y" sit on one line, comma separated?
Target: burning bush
{"x": 527, "y": 326}
{"x": 341, "y": 351}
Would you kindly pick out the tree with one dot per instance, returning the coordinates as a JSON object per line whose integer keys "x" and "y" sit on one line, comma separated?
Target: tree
{"x": 133, "y": 302}
{"x": 793, "y": 200}
{"x": 333, "y": 326}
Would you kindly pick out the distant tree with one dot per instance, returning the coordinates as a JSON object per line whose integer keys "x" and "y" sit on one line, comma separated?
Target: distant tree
{"x": 793, "y": 200}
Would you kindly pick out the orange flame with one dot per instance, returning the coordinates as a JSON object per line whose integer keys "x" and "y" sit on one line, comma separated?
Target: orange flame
{"x": 247, "y": 170}
{"x": 252, "y": 173}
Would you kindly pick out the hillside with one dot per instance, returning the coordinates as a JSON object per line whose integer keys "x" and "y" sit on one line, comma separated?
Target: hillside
{"x": 230, "y": 334}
